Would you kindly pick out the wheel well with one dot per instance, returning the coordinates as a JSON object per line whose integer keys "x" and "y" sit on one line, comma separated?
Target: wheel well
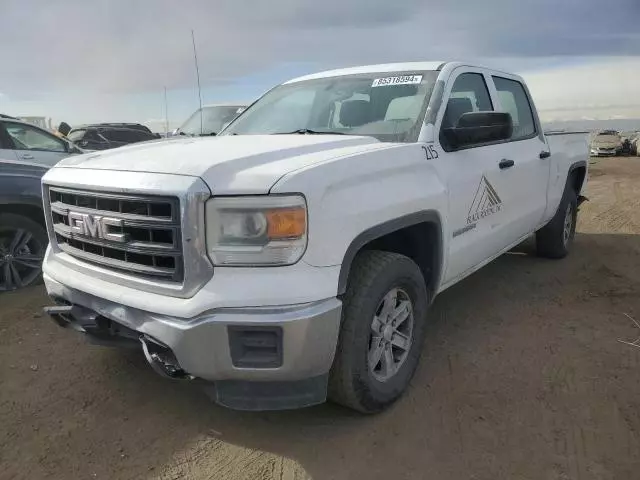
{"x": 29, "y": 211}
{"x": 577, "y": 176}
{"x": 421, "y": 242}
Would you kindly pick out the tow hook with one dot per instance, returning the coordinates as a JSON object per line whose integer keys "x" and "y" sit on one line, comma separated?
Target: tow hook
{"x": 63, "y": 315}
{"x": 162, "y": 360}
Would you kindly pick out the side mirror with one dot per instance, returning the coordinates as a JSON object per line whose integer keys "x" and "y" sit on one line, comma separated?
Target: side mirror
{"x": 476, "y": 128}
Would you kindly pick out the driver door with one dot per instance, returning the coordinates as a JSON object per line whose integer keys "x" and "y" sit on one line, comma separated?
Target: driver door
{"x": 480, "y": 191}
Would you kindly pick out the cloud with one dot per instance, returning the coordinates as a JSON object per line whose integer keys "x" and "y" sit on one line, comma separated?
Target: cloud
{"x": 125, "y": 46}
{"x": 602, "y": 88}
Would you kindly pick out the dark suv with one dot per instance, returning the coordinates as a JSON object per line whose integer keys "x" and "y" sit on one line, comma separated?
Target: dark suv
{"x": 102, "y": 136}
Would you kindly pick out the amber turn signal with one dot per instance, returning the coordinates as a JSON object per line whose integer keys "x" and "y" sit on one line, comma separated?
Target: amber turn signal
{"x": 284, "y": 223}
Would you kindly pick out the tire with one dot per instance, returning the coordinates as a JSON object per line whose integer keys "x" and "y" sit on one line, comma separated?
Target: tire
{"x": 374, "y": 276}
{"x": 22, "y": 246}
{"x": 554, "y": 239}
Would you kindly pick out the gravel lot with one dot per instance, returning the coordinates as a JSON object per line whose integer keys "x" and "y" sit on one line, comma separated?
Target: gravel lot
{"x": 522, "y": 377}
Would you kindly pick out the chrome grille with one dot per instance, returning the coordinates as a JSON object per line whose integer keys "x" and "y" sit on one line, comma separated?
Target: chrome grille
{"x": 136, "y": 234}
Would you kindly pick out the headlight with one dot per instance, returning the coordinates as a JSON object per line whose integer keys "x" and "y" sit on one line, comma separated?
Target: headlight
{"x": 260, "y": 230}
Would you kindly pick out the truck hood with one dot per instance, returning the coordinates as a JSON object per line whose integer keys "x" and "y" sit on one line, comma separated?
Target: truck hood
{"x": 228, "y": 164}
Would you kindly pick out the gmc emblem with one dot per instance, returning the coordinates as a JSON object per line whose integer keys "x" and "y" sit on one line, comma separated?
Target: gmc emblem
{"x": 95, "y": 226}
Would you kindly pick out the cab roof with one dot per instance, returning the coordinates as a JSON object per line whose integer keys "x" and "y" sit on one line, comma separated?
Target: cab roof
{"x": 383, "y": 67}
{"x": 396, "y": 67}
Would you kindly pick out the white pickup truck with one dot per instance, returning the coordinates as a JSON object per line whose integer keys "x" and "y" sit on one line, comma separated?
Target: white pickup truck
{"x": 295, "y": 256}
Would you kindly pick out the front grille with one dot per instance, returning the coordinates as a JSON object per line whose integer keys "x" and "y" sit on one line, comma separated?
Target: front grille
{"x": 136, "y": 234}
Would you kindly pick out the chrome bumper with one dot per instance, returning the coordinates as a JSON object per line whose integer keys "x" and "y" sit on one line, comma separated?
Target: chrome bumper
{"x": 254, "y": 356}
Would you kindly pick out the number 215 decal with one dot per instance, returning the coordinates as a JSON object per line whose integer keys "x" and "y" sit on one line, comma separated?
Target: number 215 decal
{"x": 430, "y": 151}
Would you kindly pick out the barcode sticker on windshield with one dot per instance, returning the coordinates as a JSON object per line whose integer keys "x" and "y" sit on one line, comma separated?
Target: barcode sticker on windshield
{"x": 401, "y": 80}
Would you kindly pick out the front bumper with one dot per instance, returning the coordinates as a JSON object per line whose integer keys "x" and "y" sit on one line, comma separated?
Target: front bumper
{"x": 211, "y": 346}
{"x": 604, "y": 153}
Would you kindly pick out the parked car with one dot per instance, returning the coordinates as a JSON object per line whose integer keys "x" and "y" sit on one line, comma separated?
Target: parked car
{"x": 606, "y": 143}
{"x": 212, "y": 120}
{"x": 635, "y": 143}
{"x": 23, "y": 235}
{"x": 104, "y": 136}
{"x": 23, "y": 141}
{"x": 132, "y": 126}
{"x": 296, "y": 255}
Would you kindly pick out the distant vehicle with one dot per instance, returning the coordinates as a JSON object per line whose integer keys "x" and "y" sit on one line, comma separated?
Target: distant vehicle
{"x": 23, "y": 141}
{"x": 132, "y": 126}
{"x": 23, "y": 235}
{"x": 606, "y": 143}
{"x": 37, "y": 121}
{"x": 213, "y": 119}
{"x": 103, "y": 136}
{"x": 635, "y": 144}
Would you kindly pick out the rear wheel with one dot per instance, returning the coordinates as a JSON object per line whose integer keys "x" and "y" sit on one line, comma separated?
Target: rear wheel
{"x": 554, "y": 239}
{"x": 383, "y": 326}
{"x": 22, "y": 246}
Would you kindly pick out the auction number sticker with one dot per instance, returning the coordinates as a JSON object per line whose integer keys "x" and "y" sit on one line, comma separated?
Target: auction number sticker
{"x": 401, "y": 80}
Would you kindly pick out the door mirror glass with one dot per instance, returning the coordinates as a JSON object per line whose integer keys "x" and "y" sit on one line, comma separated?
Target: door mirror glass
{"x": 477, "y": 128}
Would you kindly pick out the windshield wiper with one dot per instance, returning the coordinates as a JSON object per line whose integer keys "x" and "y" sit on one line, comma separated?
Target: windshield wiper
{"x": 307, "y": 131}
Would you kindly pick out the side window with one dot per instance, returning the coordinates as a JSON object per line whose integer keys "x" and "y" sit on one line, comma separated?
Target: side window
{"x": 144, "y": 136}
{"x": 92, "y": 136}
{"x": 26, "y": 137}
{"x": 5, "y": 139}
{"x": 514, "y": 100}
{"x": 468, "y": 94}
{"x": 122, "y": 136}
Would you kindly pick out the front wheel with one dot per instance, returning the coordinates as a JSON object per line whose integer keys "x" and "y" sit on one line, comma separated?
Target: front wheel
{"x": 554, "y": 239}
{"x": 22, "y": 246}
{"x": 383, "y": 326}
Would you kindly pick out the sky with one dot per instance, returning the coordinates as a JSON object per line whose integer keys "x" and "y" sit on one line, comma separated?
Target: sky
{"x": 83, "y": 61}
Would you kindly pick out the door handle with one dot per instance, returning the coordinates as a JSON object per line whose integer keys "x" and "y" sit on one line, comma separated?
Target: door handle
{"x": 27, "y": 156}
{"x": 506, "y": 163}
{"x": 545, "y": 154}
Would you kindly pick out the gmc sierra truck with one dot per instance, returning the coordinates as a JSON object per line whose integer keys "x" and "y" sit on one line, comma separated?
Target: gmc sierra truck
{"x": 294, "y": 257}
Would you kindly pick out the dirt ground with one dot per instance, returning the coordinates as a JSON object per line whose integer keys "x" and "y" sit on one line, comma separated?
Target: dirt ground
{"x": 522, "y": 377}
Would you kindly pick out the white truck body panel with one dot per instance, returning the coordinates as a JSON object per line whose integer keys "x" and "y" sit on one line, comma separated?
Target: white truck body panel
{"x": 229, "y": 165}
{"x": 483, "y": 200}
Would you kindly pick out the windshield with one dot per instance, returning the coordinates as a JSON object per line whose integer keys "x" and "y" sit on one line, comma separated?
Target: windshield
{"x": 213, "y": 119}
{"x": 389, "y": 106}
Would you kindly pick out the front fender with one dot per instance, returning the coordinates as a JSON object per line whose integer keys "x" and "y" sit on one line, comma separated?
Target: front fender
{"x": 364, "y": 192}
